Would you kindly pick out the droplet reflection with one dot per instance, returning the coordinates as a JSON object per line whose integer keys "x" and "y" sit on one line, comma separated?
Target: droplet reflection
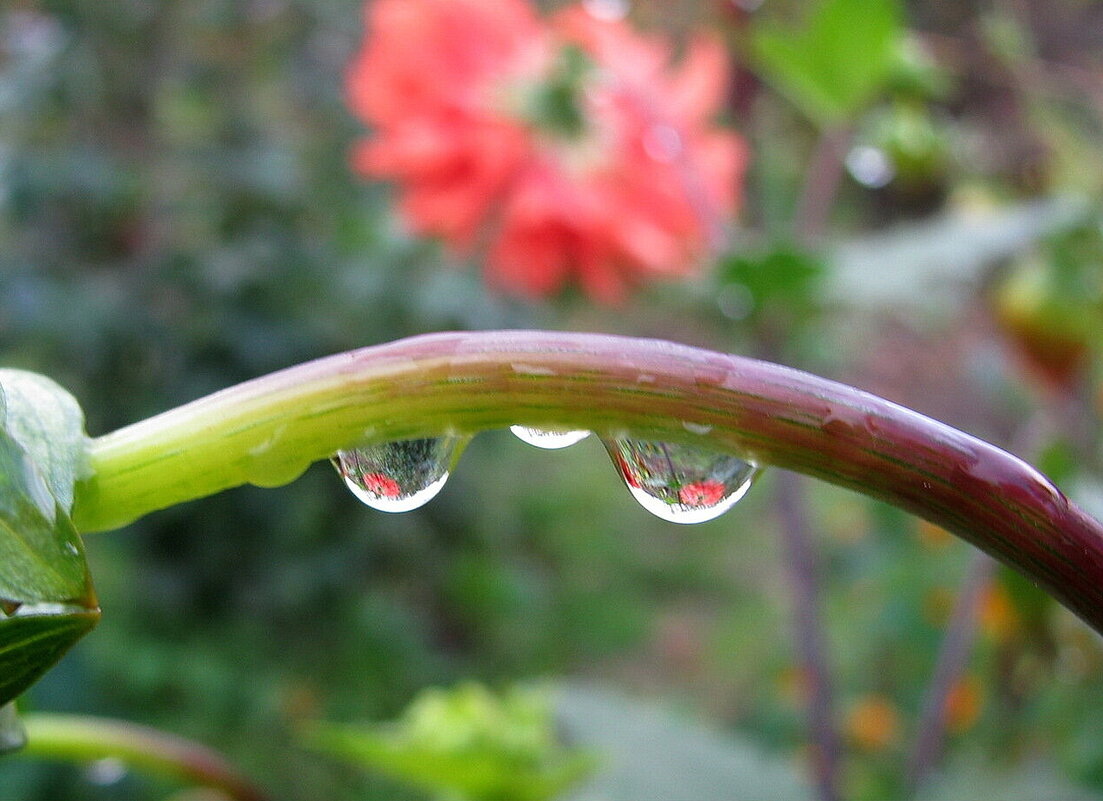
{"x": 402, "y": 475}
{"x": 680, "y": 483}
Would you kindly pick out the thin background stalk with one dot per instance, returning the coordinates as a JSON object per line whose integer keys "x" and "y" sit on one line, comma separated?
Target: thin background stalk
{"x": 803, "y": 567}
{"x": 821, "y": 184}
{"x": 81, "y": 738}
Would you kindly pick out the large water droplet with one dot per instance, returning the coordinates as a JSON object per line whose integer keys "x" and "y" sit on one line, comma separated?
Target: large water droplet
{"x": 680, "y": 483}
{"x": 402, "y": 475}
{"x": 549, "y": 440}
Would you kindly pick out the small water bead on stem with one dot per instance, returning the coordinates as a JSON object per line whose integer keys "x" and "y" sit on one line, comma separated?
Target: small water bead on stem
{"x": 402, "y": 475}
{"x": 12, "y": 735}
{"x": 548, "y": 439}
{"x": 680, "y": 483}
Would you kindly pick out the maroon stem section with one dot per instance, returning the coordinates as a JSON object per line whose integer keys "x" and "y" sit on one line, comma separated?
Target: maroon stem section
{"x": 647, "y": 388}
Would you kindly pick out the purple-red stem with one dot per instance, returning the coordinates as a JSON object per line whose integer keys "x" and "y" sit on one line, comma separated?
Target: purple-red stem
{"x": 466, "y": 382}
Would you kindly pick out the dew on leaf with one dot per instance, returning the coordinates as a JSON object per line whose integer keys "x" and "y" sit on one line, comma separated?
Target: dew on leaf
{"x": 679, "y": 483}
{"x": 402, "y": 475}
{"x": 549, "y": 440}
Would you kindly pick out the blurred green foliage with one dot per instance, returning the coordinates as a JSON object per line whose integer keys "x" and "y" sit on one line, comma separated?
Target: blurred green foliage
{"x": 177, "y": 215}
{"x": 468, "y": 744}
{"x": 837, "y": 61}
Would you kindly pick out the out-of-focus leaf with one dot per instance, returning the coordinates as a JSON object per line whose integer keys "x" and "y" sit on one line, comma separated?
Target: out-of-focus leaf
{"x": 467, "y": 743}
{"x": 31, "y": 644}
{"x": 782, "y": 281}
{"x": 933, "y": 265}
{"x": 976, "y": 780}
{"x": 836, "y": 64}
{"x": 648, "y": 753}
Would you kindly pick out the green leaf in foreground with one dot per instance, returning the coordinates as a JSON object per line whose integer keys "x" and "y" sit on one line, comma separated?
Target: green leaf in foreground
{"x": 49, "y": 425}
{"x": 31, "y": 644}
{"x": 467, "y": 743}
{"x": 836, "y": 64}
{"x": 46, "y": 598}
{"x": 41, "y": 554}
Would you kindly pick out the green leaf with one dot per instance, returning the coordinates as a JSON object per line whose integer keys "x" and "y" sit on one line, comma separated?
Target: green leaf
{"x": 466, "y": 742}
{"x": 48, "y": 423}
{"x": 41, "y": 554}
{"x": 46, "y": 598}
{"x": 838, "y": 62}
{"x": 33, "y": 643}
{"x": 41, "y": 457}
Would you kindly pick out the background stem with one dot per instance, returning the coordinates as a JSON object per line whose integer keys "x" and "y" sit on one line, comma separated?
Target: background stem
{"x": 73, "y": 737}
{"x": 953, "y": 657}
{"x": 821, "y": 184}
{"x": 803, "y": 568}
{"x": 267, "y": 431}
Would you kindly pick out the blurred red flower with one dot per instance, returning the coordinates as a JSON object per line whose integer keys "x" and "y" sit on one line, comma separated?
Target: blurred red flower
{"x": 573, "y": 149}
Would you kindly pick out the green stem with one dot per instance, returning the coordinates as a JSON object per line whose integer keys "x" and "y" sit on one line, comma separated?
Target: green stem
{"x": 267, "y": 431}
{"x": 79, "y": 738}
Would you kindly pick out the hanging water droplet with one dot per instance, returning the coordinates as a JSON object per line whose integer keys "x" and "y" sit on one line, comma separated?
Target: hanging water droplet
{"x": 402, "y": 475}
{"x": 549, "y": 440}
{"x": 9, "y": 608}
{"x": 105, "y": 772}
{"x": 12, "y": 735}
{"x": 680, "y": 483}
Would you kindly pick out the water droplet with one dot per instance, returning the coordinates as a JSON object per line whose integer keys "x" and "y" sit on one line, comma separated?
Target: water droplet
{"x": 402, "y": 475}
{"x": 9, "y": 608}
{"x": 549, "y": 440}
{"x": 700, "y": 429}
{"x": 680, "y": 483}
{"x": 12, "y": 735}
{"x": 105, "y": 772}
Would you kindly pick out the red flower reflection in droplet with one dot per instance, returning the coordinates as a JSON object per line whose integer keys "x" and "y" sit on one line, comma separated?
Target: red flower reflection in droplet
{"x": 571, "y": 149}
{"x": 380, "y": 485}
{"x": 702, "y": 493}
